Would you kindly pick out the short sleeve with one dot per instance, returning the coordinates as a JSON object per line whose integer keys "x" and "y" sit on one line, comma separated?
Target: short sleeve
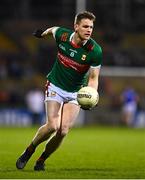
{"x": 97, "y": 57}
{"x": 54, "y": 31}
{"x": 61, "y": 34}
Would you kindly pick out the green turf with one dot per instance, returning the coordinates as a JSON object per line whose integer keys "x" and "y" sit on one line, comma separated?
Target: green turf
{"x": 92, "y": 153}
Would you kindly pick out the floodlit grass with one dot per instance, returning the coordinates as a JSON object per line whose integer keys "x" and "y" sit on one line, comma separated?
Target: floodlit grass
{"x": 86, "y": 153}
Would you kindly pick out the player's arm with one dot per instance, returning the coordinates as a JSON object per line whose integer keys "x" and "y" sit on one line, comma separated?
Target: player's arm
{"x": 94, "y": 77}
{"x": 93, "y": 80}
{"x": 39, "y": 33}
{"x": 94, "y": 72}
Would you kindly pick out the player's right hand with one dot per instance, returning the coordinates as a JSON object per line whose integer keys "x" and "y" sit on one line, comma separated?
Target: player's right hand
{"x": 38, "y": 33}
{"x": 86, "y": 108}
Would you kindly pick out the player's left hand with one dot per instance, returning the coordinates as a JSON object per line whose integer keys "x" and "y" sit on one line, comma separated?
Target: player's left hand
{"x": 38, "y": 33}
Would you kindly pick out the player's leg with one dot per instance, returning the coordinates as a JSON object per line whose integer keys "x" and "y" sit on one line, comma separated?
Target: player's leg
{"x": 52, "y": 122}
{"x": 68, "y": 115}
{"x": 43, "y": 133}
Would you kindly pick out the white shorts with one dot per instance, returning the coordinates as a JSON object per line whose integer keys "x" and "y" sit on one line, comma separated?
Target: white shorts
{"x": 54, "y": 93}
{"x": 130, "y": 107}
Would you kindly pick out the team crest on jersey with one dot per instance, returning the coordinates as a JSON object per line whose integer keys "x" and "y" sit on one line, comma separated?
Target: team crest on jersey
{"x": 52, "y": 94}
{"x": 83, "y": 57}
{"x": 64, "y": 37}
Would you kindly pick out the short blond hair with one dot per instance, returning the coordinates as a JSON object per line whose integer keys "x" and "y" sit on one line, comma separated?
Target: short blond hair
{"x": 84, "y": 15}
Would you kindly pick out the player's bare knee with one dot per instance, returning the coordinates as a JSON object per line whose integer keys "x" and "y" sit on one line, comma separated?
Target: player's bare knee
{"x": 64, "y": 131}
{"x": 51, "y": 127}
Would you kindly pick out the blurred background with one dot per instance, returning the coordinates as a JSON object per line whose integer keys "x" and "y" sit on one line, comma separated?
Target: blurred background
{"x": 25, "y": 60}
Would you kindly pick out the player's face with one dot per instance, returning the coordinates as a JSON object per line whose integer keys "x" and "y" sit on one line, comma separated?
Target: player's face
{"x": 84, "y": 29}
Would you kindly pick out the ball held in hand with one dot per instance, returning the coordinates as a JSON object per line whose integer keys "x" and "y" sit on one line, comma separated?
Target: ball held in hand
{"x": 87, "y": 97}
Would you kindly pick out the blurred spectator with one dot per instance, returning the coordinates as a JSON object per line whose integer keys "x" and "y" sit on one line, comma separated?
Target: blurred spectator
{"x": 4, "y": 97}
{"x": 35, "y": 104}
{"x": 129, "y": 99}
{"x": 14, "y": 68}
{"x": 3, "y": 68}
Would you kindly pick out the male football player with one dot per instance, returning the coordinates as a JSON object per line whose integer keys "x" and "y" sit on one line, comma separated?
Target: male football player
{"x": 77, "y": 55}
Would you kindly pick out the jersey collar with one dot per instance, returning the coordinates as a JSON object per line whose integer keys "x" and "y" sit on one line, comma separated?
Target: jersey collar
{"x": 73, "y": 44}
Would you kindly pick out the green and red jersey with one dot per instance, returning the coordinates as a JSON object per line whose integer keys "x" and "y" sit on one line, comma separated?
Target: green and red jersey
{"x": 72, "y": 62}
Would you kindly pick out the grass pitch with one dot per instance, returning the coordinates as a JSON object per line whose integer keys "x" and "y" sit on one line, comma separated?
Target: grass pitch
{"x": 86, "y": 153}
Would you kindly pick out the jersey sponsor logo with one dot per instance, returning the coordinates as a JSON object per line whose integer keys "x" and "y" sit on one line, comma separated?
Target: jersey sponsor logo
{"x": 72, "y": 54}
{"x": 73, "y": 50}
{"x": 69, "y": 63}
{"x": 83, "y": 57}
